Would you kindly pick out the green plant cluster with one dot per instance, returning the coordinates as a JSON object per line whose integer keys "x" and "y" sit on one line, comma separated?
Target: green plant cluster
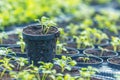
{"x": 20, "y": 69}
{"x": 11, "y": 11}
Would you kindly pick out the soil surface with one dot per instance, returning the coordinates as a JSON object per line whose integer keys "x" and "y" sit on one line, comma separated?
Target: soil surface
{"x": 99, "y": 52}
{"x": 13, "y": 36}
{"x": 74, "y": 45}
{"x": 91, "y": 60}
{"x": 115, "y": 60}
{"x": 69, "y": 51}
{"x": 37, "y": 30}
{"x": 73, "y": 71}
{"x": 110, "y": 47}
{"x": 9, "y": 41}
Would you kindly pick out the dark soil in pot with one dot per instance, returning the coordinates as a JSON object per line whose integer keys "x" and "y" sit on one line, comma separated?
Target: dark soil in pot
{"x": 9, "y": 41}
{"x": 110, "y": 47}
{"x": 42, "y": 45}
{"x": 74, "y": 70}
{"x": 13, "y": 36}
{"x": 84, "y": 61}
{"x": 37, "y": 30}
{"x": 114, "y": 62}
{"x": 98, "y": 52}
{"x": 70, "y": 52}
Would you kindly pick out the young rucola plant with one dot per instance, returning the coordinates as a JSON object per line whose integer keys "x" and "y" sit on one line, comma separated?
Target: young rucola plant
{"x": 19, "y": 32}
{"x": 85, "y": 59}
{"x": 5, "y": 63}
{"x": 5, "y": 51}
{"x": 87, "y": 73}
{"x": 95, "y": 36}
{"x": 22, "y": 44}
{"x": 61, "y": 47}
{"x": 65, "y": 63}
{"x": 115, "y": 41}
{"x": 23, "y": 75}
{"x": 21, "y": 62}
{"x": 102, "y": 50}
{"x": 82, "y": 41}
{"x": 46, "y": 24}
{"x": 3, "y": 35}
{"x": 64, "y": 36}
{"x": 46, "y": 69}
{"x": 72, "y": 30}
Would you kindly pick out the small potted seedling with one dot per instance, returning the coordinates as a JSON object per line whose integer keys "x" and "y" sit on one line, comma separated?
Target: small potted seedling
{"x": 88, "y": 74}
{"x": 83, "y": 42}
{"x": 5, "y": 64}
{"x": 23, "y": 75}
{"x": 65, "y": 63}
{"x": 100, "y": 52}
{"x": 87, "y": 60}
{"x": 114, "y": 62}
{"x": 114, "y": 44}
{"x": 80, "y": 42}
{"x": 64, "y": 36}
{"x": 22, "y": 44}
{"x": 97, "y": 37}
{"x": 72, "y": 30}
{"x": 40, "y": 40}
{"x": 45, "y": 70}
{"x": 61, "y": 49}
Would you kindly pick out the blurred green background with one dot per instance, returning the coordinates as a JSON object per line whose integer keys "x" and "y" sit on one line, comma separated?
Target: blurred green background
{"x": 14, "y": 12}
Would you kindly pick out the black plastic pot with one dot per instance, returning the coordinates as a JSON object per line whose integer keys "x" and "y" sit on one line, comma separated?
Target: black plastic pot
{"x": 82, "y": 64}
{"x": 113, "y": 65}
{"x": 40, "y": 47}
{"x": 69, "y": 55}
{"x": 109, "y": 45}
{"x": 99, "y": 50}
{"x": 74, "y": 45}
